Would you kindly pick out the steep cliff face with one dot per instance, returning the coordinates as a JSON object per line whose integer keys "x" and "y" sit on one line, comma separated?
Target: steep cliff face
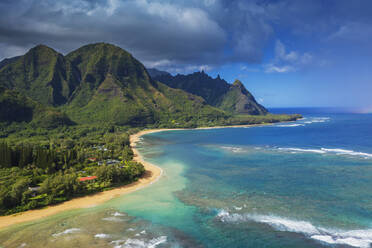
{"x": 239, "y": 100}
{"x": 42, "y": 74}
{"x": 234, "y": 98}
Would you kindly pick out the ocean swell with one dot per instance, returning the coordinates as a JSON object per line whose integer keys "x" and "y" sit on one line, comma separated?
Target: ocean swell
{"x": 356, "y": 238}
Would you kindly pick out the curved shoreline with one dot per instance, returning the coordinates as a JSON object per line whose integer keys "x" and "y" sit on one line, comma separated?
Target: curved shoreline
{"x": 152, "y": 174}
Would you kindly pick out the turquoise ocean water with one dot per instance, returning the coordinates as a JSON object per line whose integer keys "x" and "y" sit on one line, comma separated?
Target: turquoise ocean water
{"x": 301, "y": 184}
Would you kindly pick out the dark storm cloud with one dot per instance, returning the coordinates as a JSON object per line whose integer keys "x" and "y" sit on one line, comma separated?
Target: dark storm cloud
{"x": 175, "y": 33}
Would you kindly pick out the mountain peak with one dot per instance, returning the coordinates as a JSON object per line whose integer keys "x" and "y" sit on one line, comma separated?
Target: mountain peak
{"x": 42, "y": 74}
{"x": 102, "y": 46}
{"x": 42, "y": 50}
{"x": 95, "y": 61}
{"x": 238, "y": 83}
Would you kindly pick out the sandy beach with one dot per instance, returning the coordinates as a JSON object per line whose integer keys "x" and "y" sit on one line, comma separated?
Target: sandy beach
{"x": 153, "y": 173}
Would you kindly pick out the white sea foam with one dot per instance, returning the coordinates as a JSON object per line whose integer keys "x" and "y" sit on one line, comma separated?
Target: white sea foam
{"x": 67, "y": 231}
{"x": 234, "y": 149}
{"x": 305, "y": 121}
{"x": 290, "y": 149}
{"x": 357, "y": 238}
{"x": 139, "y": 243}
{"x": 118, "y": 243}
{"x": 348, "y": 152}
{"x": 118, "y": 214}
{"x": 336, "y": 151}
{"x": 291, "y": 125}
{"x": 317, "y": 120}
{"x": 113, "y": 219}
{"x": 102, "y": 236}
{"x": 330, "y": 151}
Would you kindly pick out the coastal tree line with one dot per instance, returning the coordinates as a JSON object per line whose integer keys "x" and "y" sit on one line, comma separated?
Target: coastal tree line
{"x": 38, "y": 174}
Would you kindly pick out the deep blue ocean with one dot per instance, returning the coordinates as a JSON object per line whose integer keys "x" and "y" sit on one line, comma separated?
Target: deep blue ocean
{"x": 299, "y": 184}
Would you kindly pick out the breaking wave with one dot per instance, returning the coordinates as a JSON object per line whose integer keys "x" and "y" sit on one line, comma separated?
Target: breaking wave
{"x": 139, "y": 243}
{"x": 67, "y": 231}
{"x": 305, "y": 121}
{"x": 329, "y": 151}
{"x": 115, "y": 217}
{"x": 102, "y": 236}
{"x": 290, "y": 125}
{"x": 316, "y": 120}
{"x": 357, "y": 238}
{"x": 336, "y": 151}
{"x": 234, "y": 149}
{"x": 118, "y": 214}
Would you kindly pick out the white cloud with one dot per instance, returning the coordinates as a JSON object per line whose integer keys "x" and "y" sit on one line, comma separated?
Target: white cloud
{"x": 271, "y": 68}
{"x": 249, "y": 68}
{"x": 306, "y": 58}
{"x": 158, "y": 63}
{"x": 287, "y": 61}
{"x": 112, "y": 6}
{"x": 188, "y": 69}
{"x": 209, "y": 3}
{"x": 281, "y": 54}
{"x": 352, "y": 31}
{"x": 185, "y": 33}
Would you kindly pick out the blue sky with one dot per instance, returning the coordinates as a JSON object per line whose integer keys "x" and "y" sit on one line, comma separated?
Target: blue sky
{"x": 287, "y": 53}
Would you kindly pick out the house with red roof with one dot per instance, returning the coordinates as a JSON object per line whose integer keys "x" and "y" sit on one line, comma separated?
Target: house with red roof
{"x": 90, "y": 178}
{"x": 92, "y": 159}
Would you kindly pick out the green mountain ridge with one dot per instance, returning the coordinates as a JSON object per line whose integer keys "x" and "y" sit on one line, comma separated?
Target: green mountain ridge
{"x": 99, "y": 83}
{"x": 103, "y": 84}
{"x": 217, "y": 92}
{"x": 6, "y": 61}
